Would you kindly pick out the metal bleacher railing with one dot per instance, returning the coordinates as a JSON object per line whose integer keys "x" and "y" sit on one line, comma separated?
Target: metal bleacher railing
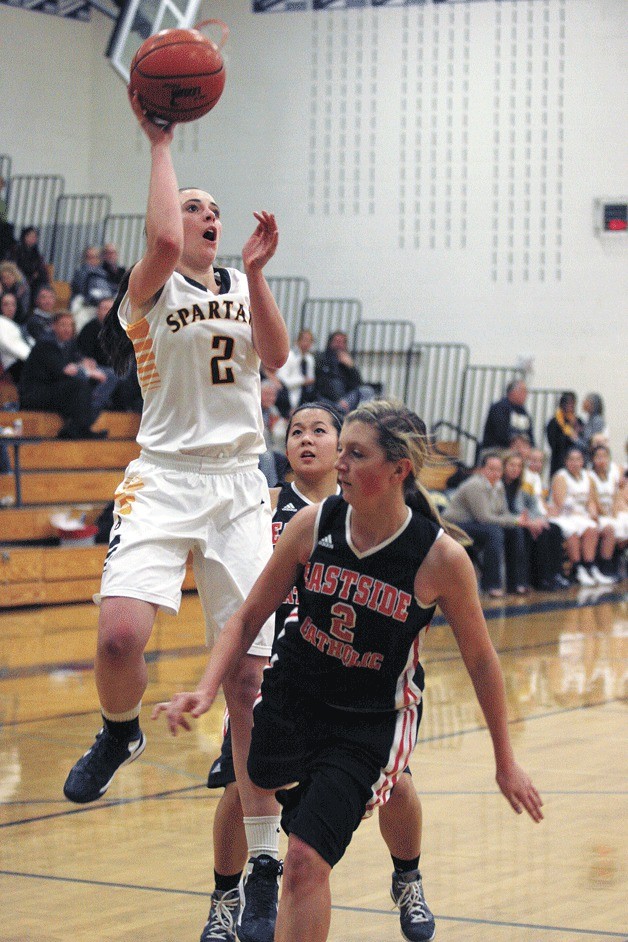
{"x": 78, "y": 222}
{"x": 126, "y": 232}
{"x": 323, "y": 316}
{"x": 381, "y": 350}
{"x": 31, "y": 201}
{"x": 5, "y": 166}
{"x": 290, "y": 293}
{"x": 435, "y": 381}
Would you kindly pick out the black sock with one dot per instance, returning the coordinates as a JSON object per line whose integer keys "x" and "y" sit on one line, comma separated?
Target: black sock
{"x": 126, "y": 731}
{"x": 226, "y": 882}
{"x": 405, "y": 866}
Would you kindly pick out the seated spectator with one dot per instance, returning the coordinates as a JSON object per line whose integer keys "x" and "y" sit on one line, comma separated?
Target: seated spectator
{"x": 563, "y": 431}
{"x": 535, "y": 552}
{"x": 607, "y": 482}
{"x": 127, "y": 396}
{"x": 282, "y": 399}
{"x": 115, "y": 272}
{"x": 595, "y": 423}
{"x": 13, "y": 281}
{"x": 338, "y": 380}
{"x": 479, "y": 507}
{"x": 273, "y": 462}
{"x": 575, "y": 512}
{"x": 508, "y": 417}
{"x": 40, "y": 321}
{"x": 298, "y": 374}
{"x": 55, "y": 378}
{"x": 15, "y": 342}
{"x": 90, "y": 284}
{"x": 274, "y": 423}
{"x": 29, "y": 260}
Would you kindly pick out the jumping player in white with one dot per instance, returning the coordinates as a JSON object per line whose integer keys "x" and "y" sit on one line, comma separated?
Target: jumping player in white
{"x": 338, "y": 716}
{"x": 199, "y": 334}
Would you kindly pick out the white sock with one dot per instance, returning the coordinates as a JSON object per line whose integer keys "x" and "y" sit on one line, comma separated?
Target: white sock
{"x": 262, "y": 835}
{"x": 131, "y": 714}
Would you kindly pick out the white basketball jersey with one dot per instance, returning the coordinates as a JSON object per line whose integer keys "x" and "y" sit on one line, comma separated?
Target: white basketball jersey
{"x": 198, "y": 370}
{"x": 606, "y": 489}
{"x": 578, "y": 492}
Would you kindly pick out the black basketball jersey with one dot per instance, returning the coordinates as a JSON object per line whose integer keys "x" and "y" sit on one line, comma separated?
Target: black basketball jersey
{"x": 356, "y": 641}
{"x": 289, "y": 501}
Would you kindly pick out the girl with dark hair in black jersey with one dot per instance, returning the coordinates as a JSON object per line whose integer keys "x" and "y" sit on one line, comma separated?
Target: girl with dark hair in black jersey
{"x": 341, "y": 701}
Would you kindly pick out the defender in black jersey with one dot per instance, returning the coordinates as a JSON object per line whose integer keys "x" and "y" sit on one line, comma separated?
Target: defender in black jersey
{"x": 338, "y": 715}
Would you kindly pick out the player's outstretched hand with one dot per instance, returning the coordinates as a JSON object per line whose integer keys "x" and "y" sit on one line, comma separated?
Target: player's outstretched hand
{"x": 520, "y": 792}
{"x": 263, "y": 243}
{"x": 154, "y": 132}
{"x": 193, "y": 703}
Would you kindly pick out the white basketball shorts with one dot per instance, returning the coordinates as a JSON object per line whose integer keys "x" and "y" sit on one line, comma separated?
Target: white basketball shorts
{"x": 167, "y": 507}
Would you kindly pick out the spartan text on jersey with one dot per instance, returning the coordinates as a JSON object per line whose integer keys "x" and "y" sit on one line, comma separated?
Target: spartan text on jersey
{"x": 219, "y": 309}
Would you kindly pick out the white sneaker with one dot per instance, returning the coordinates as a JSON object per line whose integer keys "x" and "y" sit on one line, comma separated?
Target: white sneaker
{"x": 584, "y": 578}
{"x": 600, "y": 578}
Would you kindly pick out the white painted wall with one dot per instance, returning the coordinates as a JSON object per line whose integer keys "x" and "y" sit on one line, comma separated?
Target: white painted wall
{"x": 436, "y": 226}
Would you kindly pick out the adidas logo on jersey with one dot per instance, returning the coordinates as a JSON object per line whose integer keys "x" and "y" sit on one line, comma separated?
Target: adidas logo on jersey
{"x": 327, "y": 542}
{"x": 290, "y": 508}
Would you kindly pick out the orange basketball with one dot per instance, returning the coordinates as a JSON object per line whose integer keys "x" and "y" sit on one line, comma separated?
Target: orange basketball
{"x": 179, "y": 74}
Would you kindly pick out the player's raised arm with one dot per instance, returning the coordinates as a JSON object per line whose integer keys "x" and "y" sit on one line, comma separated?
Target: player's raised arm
{"x": 270, "y": 335}
{"x": 164, "y": 224}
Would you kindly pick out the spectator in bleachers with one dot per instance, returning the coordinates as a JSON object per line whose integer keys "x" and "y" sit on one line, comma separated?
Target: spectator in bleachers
{"x": 479, "y": 507}
{"x": 282, "y": 399}
{"x": 338, "y": 380}
{"x": 575, "y": 508}
{"x": 127, "y": 396}
{"x": 607, "y": 482}
{"x": 508, "y": 417}
{"x": 29, "y": 259}
{"x": 13, "y": 281}
{"x": 15, "y": 342}
{"x": 40, "y": 321}
{"x": 563, "y": 431}
{"x": 535, "y": 553}
{"x": 90, "y": 284}
{"x": 595, "y": 423}
{"x": 115, "y": 272}
{"x": 56, "y": 378}
{"x": 298, "y": 374}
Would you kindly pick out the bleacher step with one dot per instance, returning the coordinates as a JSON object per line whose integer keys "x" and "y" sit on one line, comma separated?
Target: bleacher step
{"x": 49, "y": 575}
{"x": 62, "y": 487}
{"x": 47, "y": 424}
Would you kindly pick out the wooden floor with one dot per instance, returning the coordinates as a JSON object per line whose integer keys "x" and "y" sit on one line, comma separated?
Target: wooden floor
{"x": 137, "y": 866}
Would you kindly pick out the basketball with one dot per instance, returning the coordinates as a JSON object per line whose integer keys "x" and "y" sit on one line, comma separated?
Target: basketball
{"x": 179, "y": 74}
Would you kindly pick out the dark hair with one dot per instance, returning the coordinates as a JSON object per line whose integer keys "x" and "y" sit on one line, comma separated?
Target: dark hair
{"x": 566, "y": 398}
{"x": 513, "y": 384}
{"x": 336, "y": 417}
{"x": 113, "y": 337}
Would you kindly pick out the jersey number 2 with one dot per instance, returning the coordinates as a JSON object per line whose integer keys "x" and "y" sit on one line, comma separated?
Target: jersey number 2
{"x": 221, "y": 373}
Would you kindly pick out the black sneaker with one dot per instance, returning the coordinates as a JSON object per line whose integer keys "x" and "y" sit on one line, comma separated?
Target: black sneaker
{"x": 223, "y": 915}
{"x": 259, "y": 896}
{"x": 90, "y": 778}
{"x": 417, "y": 922}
